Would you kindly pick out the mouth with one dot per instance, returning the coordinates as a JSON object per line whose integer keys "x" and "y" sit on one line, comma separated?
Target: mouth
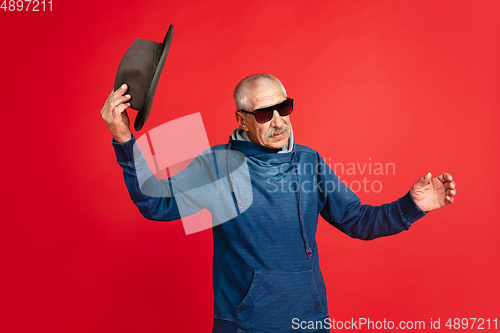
{"x": 278, "y": 136}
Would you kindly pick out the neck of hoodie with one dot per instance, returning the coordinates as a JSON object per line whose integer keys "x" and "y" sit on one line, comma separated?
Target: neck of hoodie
{"x": 240, "y": 135}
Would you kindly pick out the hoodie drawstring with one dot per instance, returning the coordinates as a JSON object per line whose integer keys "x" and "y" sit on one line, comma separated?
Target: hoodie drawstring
{"x": 233, "y": 184}
{"x": 301, "y": 218}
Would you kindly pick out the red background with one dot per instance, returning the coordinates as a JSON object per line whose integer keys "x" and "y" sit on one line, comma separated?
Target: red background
{"x": 414, "y": 83}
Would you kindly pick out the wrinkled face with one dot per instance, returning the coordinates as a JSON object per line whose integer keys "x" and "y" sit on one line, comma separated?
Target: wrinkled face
{"x": 276, "y": 132}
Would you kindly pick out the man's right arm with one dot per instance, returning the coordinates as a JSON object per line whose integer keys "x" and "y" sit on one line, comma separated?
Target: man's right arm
{"x": 157, "y": 199}
{"x": 152, "y": 196}
{"x": 157, "y": 203}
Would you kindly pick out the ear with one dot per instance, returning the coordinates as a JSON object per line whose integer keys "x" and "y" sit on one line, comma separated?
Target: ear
{"x": 241, "y": 121}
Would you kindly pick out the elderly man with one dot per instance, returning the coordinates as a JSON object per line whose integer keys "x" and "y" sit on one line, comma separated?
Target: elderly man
{"x": 265, "y": 267}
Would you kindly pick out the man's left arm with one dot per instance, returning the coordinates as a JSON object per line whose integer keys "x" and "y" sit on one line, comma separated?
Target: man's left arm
{"x": 343, "y": 209}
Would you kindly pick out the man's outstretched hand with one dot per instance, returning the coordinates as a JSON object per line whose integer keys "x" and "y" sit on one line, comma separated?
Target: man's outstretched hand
{"x": 115, "y": 115}
{"x": 433, "y": 193}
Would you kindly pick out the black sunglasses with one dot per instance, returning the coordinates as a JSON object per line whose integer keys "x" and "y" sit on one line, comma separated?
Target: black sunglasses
{"x": 263, "y": 115}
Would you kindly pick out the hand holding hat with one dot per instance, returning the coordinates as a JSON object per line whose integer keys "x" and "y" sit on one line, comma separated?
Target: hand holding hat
{"x": 114, "y": 114}
{"x": 138, "y": 74}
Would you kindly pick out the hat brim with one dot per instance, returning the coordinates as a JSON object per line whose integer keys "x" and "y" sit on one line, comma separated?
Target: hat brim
{"x": 143, "y": 115}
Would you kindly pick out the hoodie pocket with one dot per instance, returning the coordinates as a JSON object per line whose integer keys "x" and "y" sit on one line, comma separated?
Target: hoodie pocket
{"x": 275, "y": 298}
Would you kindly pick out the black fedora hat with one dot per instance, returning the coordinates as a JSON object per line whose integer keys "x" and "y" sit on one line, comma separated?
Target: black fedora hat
{"x": 140, "y": 68}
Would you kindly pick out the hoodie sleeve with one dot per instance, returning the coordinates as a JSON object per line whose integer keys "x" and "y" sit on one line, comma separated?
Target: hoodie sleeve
{"x": 179, "y": 196}
{"x": 343, "y": 209}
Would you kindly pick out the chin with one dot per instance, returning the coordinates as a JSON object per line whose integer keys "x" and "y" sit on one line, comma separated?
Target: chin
{"x": 278, "y": 144}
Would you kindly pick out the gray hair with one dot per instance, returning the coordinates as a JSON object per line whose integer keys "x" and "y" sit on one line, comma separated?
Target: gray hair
{"x": 244, "y": 87}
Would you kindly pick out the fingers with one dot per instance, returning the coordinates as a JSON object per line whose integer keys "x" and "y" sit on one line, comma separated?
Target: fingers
{"x": 117, "y": 110}
{"x": 115, "y": 115}
{"x": 445, "y": 177}
{"x": 119, "y": 101}
{"x": 115, "y": 104}
{"x": 424, "y": 180}
{"x": 450, "y": 188}
{"x": 448, "y": 183}
{"x": 449, "y": 200}
{"x": 118, "y": 104}
{"x": 451, "y": 192}
{"x": 120, "y": 91}
{"x": 116, "y": 94}
{"x": 116, "y": 98}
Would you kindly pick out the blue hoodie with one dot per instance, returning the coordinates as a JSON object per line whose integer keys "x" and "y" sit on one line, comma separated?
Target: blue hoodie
{"x": 265, "y": 262}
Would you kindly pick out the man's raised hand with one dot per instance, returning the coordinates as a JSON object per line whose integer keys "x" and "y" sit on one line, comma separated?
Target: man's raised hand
{"x": 115, "y": 115}
{"x": 433, "y": 193}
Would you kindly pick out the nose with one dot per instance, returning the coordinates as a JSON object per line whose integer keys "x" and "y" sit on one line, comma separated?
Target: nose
{"x": 277, "y": 121}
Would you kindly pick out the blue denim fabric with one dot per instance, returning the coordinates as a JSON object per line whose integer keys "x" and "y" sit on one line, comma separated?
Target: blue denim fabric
{"x": 262, "y": 276}
{"x": 224, "y": 326}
